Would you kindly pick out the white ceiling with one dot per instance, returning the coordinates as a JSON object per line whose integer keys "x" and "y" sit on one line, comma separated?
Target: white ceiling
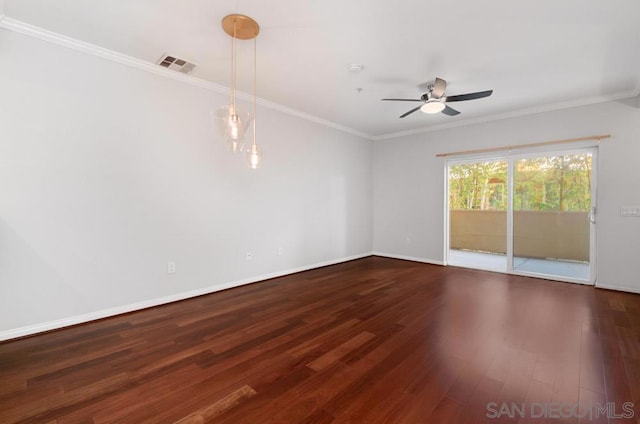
{"x": 536, "y": 54}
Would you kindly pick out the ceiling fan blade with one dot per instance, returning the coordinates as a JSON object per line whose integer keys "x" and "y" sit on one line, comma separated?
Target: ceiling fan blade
{"x": 403, "y": 100}
{"x": 410, "y": 112}
{"x": 469, "y": 96}
{"x": 450, "y": 111}
{"x": 438, "y": 88}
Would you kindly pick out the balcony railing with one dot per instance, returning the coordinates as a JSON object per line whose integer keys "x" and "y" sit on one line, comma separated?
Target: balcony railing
{"x": 537, "y": 234}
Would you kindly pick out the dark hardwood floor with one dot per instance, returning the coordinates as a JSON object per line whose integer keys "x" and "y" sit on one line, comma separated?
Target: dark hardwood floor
{"x": 370, "y": 341}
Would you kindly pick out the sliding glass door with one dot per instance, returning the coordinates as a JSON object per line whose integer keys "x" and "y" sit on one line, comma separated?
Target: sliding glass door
{"x": 552, "y": 215}
{"x": 478, "y": 200}
{"x": 524, "y": 214}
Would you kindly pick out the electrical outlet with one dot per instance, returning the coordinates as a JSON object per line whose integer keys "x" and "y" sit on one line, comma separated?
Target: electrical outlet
{"x": 171, "y": 267}
{"x": 280, "y": 251}
{"x": 408, "y": 240}
{"x": 249, "y": 256}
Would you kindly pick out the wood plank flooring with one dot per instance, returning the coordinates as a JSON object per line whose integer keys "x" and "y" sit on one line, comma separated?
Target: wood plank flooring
{"x": 369, "y": 341}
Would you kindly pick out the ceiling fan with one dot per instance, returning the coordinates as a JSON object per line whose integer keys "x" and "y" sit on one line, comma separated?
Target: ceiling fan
{"x": 433, "y": 101}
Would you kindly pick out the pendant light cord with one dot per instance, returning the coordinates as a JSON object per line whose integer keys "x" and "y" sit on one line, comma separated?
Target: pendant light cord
{"x": 233, "y": 69}
{"x": 255, "y": 78}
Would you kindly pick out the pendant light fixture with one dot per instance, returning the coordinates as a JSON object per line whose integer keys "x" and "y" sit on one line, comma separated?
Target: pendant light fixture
{"x": 254, "y": 153}
{"x": 235, "y": 122}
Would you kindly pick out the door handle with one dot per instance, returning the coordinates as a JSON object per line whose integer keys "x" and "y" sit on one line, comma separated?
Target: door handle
{"x": 592, "y": 215}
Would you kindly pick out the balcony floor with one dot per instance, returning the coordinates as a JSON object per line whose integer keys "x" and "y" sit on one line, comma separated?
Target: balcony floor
{"x": 498, "y": 263}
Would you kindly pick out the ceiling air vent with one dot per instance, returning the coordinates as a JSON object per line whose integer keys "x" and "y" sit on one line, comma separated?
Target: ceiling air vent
{"x": 175, "y": 63}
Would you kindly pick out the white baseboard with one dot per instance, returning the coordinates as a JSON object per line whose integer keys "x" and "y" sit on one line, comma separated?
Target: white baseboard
{"x": 105, "y": 313}
{"x": 600, "y": 285}
{"x": 409, "y": 258}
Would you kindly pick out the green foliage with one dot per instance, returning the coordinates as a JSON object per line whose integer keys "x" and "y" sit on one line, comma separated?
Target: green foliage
{"x": 554, "y": 183}
{"x": 547, "y": 183}
{"x": 481, "y": 185}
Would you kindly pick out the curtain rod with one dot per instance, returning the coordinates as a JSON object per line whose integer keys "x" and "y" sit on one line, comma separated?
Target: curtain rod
{"x": 522, "y": 146}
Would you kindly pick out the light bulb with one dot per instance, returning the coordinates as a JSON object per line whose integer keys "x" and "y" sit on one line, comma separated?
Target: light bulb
{"x": 433, "y": 106}
{"x": 234, "y": 146}
{"x": 254, "y": 156}
{"x": 233, "y": 124}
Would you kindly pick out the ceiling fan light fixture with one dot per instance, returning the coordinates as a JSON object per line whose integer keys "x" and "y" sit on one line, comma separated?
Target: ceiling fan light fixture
{"x": 434, "y": 100}
{"x": 432, "y": 106}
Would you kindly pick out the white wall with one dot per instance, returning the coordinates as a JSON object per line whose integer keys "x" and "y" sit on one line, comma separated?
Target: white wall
{"x": 107, "y": 172}
{"x": 409, "y": 182}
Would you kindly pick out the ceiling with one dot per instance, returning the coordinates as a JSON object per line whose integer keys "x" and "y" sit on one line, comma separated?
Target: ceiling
{"x": 535, "y": 55}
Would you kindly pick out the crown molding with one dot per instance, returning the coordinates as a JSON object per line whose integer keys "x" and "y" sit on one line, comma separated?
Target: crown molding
{"x": 24, "y": 28}
{"x": 513, "y": 114}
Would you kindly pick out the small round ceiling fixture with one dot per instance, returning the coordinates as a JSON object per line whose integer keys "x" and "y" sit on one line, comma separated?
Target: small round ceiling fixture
{"x": 355, "y": 68}
{"x": 432, "y": 106}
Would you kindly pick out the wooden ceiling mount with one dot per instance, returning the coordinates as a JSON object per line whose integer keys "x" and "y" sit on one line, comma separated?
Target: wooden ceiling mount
{"x": 245, "y": 27}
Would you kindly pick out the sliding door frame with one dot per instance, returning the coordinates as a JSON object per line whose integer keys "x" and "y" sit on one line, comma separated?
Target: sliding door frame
{"x": 511, "y": 159}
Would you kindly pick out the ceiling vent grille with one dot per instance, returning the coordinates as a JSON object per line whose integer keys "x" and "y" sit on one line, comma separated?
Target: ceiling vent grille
{"x": 171, "y": 62}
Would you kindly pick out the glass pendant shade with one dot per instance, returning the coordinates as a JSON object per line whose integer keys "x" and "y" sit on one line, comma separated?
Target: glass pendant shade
{"x": 254, "y": 156}
{"x": 233, "y": 125}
